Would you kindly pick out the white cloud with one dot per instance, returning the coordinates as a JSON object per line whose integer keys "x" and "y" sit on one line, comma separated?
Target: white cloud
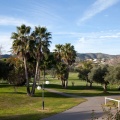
{"x": 104, "y": 42}
{"x": 52, "y": 47}
{"x": 110, "y": 36}
{"x": 66, "y": 33}
{"x": 5, "y": 20}
{"x": 82, "y": 40}
{"x": 45, "y": 12}
{"x": 84, "y": 45}
{"x": 5, "y": 42}
{"x": 97, "y": 7}
{"x": 106, "y": 15}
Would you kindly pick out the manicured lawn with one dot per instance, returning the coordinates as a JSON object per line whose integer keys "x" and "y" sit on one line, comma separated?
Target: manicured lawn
{"x": 19, "y": 106}
{"x": 80, "y": 88}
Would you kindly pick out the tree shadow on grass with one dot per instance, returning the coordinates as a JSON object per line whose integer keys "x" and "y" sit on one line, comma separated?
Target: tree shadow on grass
{"x": 81, "y": 87}
{"x": 38, "y": 116}
{"x": 94, "y": 94}
{"x": 56, "y": 86}
{"x": 13, "y": 93}
{"x": 77, "y": 87}
{"x": 4, "y": 85}
{"x": 86, "y": 91}
{"x": 49, "y": 94}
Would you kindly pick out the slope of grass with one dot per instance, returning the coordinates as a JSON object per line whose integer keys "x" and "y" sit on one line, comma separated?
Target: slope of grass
{"x": 19, "y": 106}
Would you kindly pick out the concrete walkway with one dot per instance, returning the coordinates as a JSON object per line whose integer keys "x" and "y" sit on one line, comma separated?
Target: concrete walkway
{"x": 82, "y": 111}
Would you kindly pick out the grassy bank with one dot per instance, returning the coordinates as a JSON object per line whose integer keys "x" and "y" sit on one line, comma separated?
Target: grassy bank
{"x": 19, "y": 106}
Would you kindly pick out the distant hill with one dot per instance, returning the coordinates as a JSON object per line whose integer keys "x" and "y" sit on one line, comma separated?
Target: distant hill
{"x": 5, "y": 56}
{"x": 84, "y": 56}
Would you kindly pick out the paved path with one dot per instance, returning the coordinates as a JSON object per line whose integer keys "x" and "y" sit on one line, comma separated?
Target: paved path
{"x": 82, "y": 111}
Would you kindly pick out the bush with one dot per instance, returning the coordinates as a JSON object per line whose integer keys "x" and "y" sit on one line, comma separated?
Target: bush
{"x": 109, "y": 114}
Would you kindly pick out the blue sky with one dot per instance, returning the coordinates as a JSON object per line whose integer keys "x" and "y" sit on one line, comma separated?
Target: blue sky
{"x": 89, "y": 25}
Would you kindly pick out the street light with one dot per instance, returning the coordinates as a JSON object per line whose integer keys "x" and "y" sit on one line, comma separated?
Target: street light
{"x": 39, "y": 88}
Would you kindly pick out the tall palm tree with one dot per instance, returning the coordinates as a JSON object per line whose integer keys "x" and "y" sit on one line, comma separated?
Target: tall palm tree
{"x": 65, "y": 55}
{"x": 60, "y": 66}
{"x": 58, "y": 52}
{"x": 20, "y": 47}
{"x": 42, "y": 42}
{"x": 68, "y": 56}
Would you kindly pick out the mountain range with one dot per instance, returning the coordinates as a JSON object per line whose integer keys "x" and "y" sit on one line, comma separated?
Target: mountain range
{"x": 6, "y": 56}
{"x": 83, "y": 56}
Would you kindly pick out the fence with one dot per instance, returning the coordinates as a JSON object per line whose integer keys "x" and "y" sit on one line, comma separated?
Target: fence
{"x": 113, "y": 100}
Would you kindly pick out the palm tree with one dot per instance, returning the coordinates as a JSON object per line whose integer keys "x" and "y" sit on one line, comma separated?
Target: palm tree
{"x": 60, "y": 69}
{"x": 20, "y": 47}
{"x": 68, "y": 56}
{"x": 42, "y": 42}
{"x": 65, "y": 55}
{"x": 58, "y": 52}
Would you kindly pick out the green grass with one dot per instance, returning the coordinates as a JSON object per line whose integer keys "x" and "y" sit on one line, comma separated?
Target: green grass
{"x": 80, "y": 88}
{"x": 19, "y": 106}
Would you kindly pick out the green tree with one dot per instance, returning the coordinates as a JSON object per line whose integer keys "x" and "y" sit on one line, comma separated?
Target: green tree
{"x": 16, "y": 71}
{"x": 68, "y": 56}
{"x": 42, "y": 42}
{"x": 59, "y": 66}
{"x": 65, "y": 56}
{"x": 61, "y": 69}
{"x": 4, "y": 68}
{"x": 98, "y": 74}
{"x": 83, "y": 71}
{"x": 113, "y": 75}
{"x": 20, "y": 47}
{"x": 58, "y": 52}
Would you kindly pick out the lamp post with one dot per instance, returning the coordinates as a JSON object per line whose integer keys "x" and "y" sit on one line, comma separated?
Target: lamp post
{"x": 39, "y": 88}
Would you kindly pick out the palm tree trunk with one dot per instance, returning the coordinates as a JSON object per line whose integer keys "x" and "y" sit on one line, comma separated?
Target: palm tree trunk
{"x": 26, "y": 75}
{"x": 35, "y": 78}
{"x": 67, "y": 76}
{"x": 44, "y": 73}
